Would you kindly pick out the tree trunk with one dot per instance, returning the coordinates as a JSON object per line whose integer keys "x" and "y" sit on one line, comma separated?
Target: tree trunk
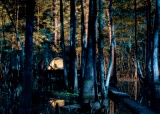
{"x": 112, "y": 65}
{"x": 17, "y": 13}
{"x": 136, "y": 52}
{"x": 156, "y": 92}
{"x": 86, "y": 20}
{"x": 155, "y": 43}
{"x": 73, "y": 63}
{"x": 63, "y": 46}
{"x": 83, "y": 41}
{"x": 94, "y": 51}
{"x": 100, "y": 50}
{"x": 26, "y": 96}
{"x": 56, "y": 24}
{"x": 38, "y": 13}
{"x": 88, "y": 89}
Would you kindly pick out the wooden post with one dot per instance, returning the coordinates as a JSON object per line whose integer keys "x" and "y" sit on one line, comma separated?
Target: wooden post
{"x": 135, "y": 89}
{"x": 111, "y": 110}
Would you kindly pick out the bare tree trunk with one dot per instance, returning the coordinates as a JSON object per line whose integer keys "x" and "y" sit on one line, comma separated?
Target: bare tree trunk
{"x": 136, "y": 52}
{"x": 94, "y": 51}
{"x": 63, "y": 46}
{"x": 112, "y": 64}
{"x": 156, "y": 79}
{"x": 83, "y": 42}
{"x": 26, "y": 97}
{"x": 155, "y": 43}
{"x": 100, "y": 50}
{"x": 17, "y": 13}
{"x": 88, "y": 86}
{"x": 38, "y": 11}
{"x": 73, "y": 62}
{"x": 86, "y": 19}
{"x": 56, "y": 24}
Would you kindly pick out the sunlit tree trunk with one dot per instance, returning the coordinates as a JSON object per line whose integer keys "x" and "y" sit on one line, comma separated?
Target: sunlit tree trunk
{"x": 73, "y": 62}
{"x": 38, "y": 14}
{"x": 63, "y": 46}
{"x": 3, "y": 30}
{"x": 135, "y": 54}
{"x": 112, "y": 64}
{"x": 86, "y": 19}
{"x": 26, "y": 96}
{"x": 56, "y": 24}
{"x": 17, "y": 13}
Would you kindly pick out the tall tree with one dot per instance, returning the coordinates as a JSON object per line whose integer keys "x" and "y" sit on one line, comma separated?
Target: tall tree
{"x": 83, "y": 41}
{"x": 94, "y": 50}
{"x": 156, "y": 79}
{"x": 112, "y": 64}
{"x": 63, "y": 45}
{"x": 17, "y": 18}
{"x": 56, "y": 23}
{"x": 26, "y": 96}
{"x": 86, "y": 18}
{"x": 155, "y": 43}
{"x": 149, "y": 44}
{"x": 100, "y": 50}
{"x": 136, "y": 27}
{"x": 73, "y": 63}
{"x": 88, "y": 88}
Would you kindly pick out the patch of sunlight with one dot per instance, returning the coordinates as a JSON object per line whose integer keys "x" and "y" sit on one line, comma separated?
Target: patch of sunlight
{"x": 58, "y": 101}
